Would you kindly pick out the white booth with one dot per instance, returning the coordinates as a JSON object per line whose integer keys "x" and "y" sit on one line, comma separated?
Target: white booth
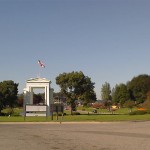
{"x": 41, "y": 83}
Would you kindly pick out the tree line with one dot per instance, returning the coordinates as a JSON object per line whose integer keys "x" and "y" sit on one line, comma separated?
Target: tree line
{"x": 137, "y": 91}
{"x": 76, "y": 86}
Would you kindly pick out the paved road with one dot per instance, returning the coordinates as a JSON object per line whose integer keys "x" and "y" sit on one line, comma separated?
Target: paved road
{"x": 75, "y": 136}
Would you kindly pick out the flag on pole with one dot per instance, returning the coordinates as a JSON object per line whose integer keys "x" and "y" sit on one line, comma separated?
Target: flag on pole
{"x": 41, "y": 64}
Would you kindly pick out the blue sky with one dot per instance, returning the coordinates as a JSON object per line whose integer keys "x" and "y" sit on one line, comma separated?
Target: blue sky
{"x": 109, "y": 40}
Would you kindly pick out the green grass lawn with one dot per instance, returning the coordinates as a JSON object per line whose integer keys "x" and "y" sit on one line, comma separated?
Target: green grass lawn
{"x": 107, "y": 118}
{"x": 102, "y": 116}
{"x": 80, "y": 118}
{"x": 105, "y": 111}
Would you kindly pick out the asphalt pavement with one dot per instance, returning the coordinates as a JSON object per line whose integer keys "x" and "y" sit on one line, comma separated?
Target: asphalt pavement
{"x": 75, "y": 136}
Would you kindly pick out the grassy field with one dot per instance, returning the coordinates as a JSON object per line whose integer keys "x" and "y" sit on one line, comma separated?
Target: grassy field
{"x": 101, "y": 116}
{"x": 79, "y": 118}
{"x": 108, "y": 118}
{"x": 82, "y": 110}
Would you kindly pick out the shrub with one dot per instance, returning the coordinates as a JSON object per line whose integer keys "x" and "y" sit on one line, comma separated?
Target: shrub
{"x": 3, "y": 114}
{"x": 76, "y": 113}
{"x": 97, "y": 105}
{"x": 148, "y": 111}
{"x": 138, "y": 112}
{"x": 15, "y": 114}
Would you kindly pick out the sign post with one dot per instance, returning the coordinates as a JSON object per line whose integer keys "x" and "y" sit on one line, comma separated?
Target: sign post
{"x": 57, "y": 108}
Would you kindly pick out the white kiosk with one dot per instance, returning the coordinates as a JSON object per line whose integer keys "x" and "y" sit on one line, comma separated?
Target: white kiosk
{"x": 33, "y": 83}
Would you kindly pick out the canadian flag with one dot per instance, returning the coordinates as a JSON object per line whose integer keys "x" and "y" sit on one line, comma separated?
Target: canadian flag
{"x": 41, "y": 64}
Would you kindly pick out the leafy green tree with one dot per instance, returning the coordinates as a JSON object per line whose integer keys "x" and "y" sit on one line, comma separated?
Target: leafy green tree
{"x": 88, "y": 97}
{"x": 59, "y": 97}
{"x": 20, "y": 100}
{"x": 115, "y": 95}
{"x": 106, "y": 91}
{"x": 120, "y": 94}
{"x": 108, "y": 104}
{"x": 8, "y": 93}
{"x": 106, "y": 95}
{"x": 1, "y": 101}
{"x": 146, "y": 104}
{"x": 75, "y": 85}
{"x": 139, "y": 87}
{"x": 129, "y": 104}
{"x": 148, "y": 96}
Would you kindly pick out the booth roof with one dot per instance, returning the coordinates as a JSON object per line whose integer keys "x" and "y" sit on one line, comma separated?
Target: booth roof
{"x": 38, "y": 80}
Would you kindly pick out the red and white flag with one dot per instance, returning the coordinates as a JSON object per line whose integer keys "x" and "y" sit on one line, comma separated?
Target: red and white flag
{"x": 41, "y": 64}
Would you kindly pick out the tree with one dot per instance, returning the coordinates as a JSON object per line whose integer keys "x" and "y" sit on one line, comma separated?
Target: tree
{"x": 120, "y": 94}
{"x": 107, "y": 104}
{"x": 115, "y": 95}
{"x": 146, "y": 103}
{"x": 129, "y": 104}
{"x": 1, "y": 101}
{"x": 20, "y": 100}
{"x": 89, "y": 96}
{"x": 106, "y": 91}
{"x": 75, "y": 85}
{"x": 59, "y": 97}
{"x": 106, "y": 95}
{"x": 148, "y": 95}
{"x": 8, "y": 93}
{"x": 139, "y": 87}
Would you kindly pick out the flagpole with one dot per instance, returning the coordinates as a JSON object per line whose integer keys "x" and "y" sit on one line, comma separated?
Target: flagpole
{"x": 39, "y": 72}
